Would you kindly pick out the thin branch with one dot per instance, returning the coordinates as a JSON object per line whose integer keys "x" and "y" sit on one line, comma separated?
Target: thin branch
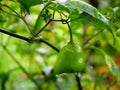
{"x": 28, "y": 39}
{"x": 41, "y": 14}
{"x": 66, "y": 22}
{"x": 92, "y": 38}
{"x": 29, "y": 28}
{"x": 20, "y": 66}
{"x": 42, "y": 28}
{"x": 53, "y": 16}
{"x": 57, "y": 20}
{"x": 114, "y": 38}
{"x": 71, "y": 38}
{"x": 7, "y": 41}
{"x": 50, "y": 45}
{"x": 47, "y": 43}
{"x": 15, "y": 35}
{"x": 17, "y": 15}
{"x": 12, "y": 10}
{"x": 10, "y": 13}
{"x": 78, "y": 82}
{"x": 74, "y": 19}
{"x": 61, "y": 13}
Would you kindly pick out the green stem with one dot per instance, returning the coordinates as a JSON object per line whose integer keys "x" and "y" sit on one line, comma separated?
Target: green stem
{"x": 17, "y": 15}
{"x": 71, "y": 38}
{"x": 12, "y": 10}
{"x": 42, "y": 28}
{"x": 74, "y": 19}
{"x": 20, "y": 66}
{"x": 53, "y": 16}
{"x": 29, "y": 28}
{"x": 10, "y": 13}
{"x": 114, "y": 37}
{"x": 66, "y": 22}
{"x": 37, "y": 21}
{"x": 91, "y": 38}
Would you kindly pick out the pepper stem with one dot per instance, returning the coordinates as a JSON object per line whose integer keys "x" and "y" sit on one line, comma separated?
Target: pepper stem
{"x": 71, "y": 37}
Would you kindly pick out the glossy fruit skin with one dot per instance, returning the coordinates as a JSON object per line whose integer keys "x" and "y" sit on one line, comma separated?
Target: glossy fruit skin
{"x": 70, "y": 60}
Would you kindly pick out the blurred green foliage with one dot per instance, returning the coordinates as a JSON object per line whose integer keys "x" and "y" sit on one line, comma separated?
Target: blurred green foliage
{"x": 93, "y": 29}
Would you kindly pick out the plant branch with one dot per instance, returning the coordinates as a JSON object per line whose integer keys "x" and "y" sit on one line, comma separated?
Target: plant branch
{"x": 20, "y": 66}
{"x": 47, "y": 43}
{"x": 53, "y": 16}
{"x": 10, "y": 13}
{"x": 55, "y": 20}
{"x": 42, "y": 28}
{"x": 37, "y": 21}
{"x": 74, "y": 19}
{"x": 78, "y": 82}
{"x": 29, "y": 28}
{"x": 50, "y": 45}
{"x": 15, "y": 13}
{"x": 28, "y": 39}
{"x": 71, "y": 38}
{"x": 114, "y": 38}
{"x": 66, "y": 22}
{"x": 91, "y": 38}
{"x": 15, "y": 35}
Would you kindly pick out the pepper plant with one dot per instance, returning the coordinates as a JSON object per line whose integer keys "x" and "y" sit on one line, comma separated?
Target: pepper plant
{"x": 53, "y": 43}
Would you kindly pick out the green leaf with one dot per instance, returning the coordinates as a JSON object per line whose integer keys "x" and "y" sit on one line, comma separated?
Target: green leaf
{"x": 28, "y": 3}
{"x": 113, "y": 67}
{"x": 85, "y": 7}
{"x": 97, "y": 23}
{"x": 110, "y": 62}
{"x": 75, "y": 24}
{"x": 90, "y": 13}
